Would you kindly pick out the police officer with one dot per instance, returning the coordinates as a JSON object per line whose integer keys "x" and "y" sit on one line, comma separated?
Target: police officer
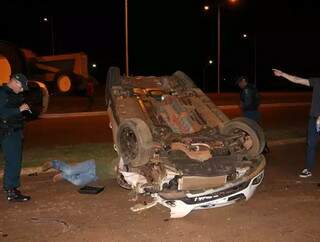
{"x": 11, "y": 125}
{"x": 250, "y": 102}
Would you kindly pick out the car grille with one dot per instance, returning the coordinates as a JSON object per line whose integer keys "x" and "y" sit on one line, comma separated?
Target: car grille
{"x": 216, "y": 195}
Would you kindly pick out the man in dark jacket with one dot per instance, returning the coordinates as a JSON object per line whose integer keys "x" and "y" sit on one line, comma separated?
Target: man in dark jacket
{"x": 249, "y": 99}
{"x": 250, "y": 102}
{"x": 11, "y": 125}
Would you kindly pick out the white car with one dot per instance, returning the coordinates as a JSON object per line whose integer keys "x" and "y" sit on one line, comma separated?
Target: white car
{"x": 177, "y": 146}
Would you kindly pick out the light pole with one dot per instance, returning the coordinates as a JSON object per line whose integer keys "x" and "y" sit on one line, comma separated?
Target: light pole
{"x": 219, "y": 49}
{"x": 45, "y": 19}
{"x": 254, "y": 38}
{"x": 126, "y": 36}
{"x": 207, "y": 8}
{"x": 209, "y": 63}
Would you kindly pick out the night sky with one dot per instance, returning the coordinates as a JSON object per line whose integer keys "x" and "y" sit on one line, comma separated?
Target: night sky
{"x": 165, "y": 36}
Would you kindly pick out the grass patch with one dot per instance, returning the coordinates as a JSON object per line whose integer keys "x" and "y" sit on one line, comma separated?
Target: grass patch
{"x": 102, "y": 153}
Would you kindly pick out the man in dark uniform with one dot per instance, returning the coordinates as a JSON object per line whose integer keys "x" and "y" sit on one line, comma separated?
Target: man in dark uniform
{"x": 11, "y": 125}
{"x": 249, "y": 99}
{"x": 314, "y": 116}
{"x": 250, "y": 102}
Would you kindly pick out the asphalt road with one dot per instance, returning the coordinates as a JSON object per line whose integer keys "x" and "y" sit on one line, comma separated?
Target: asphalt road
{"x": 284, "y": 208}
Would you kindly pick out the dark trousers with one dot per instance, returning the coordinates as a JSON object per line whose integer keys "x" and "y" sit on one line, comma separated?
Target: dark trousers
{"x": 12, "y": 149}
{"x": 312, "y": 141}
{"x": 253, "y": 114}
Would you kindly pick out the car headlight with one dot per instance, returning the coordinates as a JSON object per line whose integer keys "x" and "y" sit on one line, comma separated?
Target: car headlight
{"x": 258, "y": 179}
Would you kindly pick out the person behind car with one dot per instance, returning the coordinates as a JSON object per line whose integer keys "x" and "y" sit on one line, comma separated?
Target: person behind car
{"x": 314, "y": 115}
{"x": 250, "y": 102}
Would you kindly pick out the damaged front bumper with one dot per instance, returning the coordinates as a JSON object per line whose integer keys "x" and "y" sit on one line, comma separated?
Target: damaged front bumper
{"x": 180, "y": 207}
{"x": 182, "y": 203}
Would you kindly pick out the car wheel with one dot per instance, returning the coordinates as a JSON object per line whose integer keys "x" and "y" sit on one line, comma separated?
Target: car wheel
{"x": 38, "y": 99}
{"x": 184, "y": 79}
{"x": 113, "y": 79}
{"x": 134, "y": 140}
{"x": 254, "y": 139}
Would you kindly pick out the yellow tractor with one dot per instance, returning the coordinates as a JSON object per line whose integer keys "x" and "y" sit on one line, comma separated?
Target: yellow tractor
{"x": 65, "y": 74}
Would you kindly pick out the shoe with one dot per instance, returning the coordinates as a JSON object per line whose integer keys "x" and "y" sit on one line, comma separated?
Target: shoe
{"x": 14, "y": 195}
{"x": 57, "y": 177}
{"x": 46, "y": 166}
{"x": 305, "y": 173}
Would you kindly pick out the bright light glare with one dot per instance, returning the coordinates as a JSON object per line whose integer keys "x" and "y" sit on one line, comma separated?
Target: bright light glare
{"x": 94, "y": 65}
{"x": 206, "y": 7}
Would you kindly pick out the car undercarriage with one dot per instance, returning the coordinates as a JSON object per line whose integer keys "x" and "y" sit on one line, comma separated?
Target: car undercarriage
{"x": 177, "y": 146}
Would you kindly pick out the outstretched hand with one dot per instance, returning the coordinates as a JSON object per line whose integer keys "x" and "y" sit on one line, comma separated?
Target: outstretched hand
{"x": 277, "y": 72}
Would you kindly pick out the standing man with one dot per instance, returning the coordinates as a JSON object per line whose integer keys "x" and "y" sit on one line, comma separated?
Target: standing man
{"x": 249, "y": 99}
{"x": 313, "y": 135}
{"x": 250, "y": 102}
{"x": 11, "y": 125}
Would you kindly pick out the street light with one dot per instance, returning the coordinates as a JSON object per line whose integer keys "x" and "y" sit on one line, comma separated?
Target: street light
{"x": 254, "y": 38}
{"x": 208, "y": 63}
{"x": 126, "y": 35}
{"x": 219, "y": 4}
{"x": 46, "y": 19}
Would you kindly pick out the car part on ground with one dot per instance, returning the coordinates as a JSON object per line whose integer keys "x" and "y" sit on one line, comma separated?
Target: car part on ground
{"x": 177, "y": 146}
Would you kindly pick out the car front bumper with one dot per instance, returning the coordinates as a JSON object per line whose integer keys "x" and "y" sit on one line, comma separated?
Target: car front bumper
{"x": 182, "y": 206}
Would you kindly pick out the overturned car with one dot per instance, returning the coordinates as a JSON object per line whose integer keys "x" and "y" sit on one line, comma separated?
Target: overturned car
{"x": 177, "y": 146}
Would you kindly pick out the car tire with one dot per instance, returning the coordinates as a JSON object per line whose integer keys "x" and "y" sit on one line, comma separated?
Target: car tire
{"x": 135, "y": 142}
{"x": 38, "y": 99}
{"x": 251, "y": 128}
{"x": 113, "y": 79}
{"x": 184, "y": 80}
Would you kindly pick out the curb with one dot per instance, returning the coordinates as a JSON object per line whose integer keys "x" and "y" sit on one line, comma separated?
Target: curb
{"x": 287, "y": 141}
{"x": 269, "y": 105}
{"x": 71, "y": 115}
{"x": 36, "y": 170}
